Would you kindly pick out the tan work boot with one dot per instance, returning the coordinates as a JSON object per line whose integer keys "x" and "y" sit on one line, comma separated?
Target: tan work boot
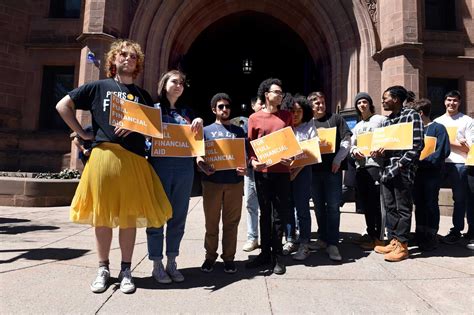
{"x": 370, "y": 245}
{"x": 398, "y": 254}
{"x": 386, "y": 249}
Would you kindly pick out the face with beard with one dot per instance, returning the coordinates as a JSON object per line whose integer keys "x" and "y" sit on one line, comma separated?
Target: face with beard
{"x": 222, "y": 110}
{"x": 126, "y": 61}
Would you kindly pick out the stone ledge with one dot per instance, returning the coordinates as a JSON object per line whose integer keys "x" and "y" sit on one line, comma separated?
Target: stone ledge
{"x": 36, "y": 192}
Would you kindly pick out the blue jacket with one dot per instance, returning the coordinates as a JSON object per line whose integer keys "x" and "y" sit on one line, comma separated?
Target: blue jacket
{"x": 443, "y": 149}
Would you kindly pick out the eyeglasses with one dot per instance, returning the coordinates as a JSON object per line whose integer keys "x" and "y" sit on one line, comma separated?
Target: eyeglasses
{"x": 277, "y": 92}
{"x": 125, "y": 54}
{"x": 221, "y": 106}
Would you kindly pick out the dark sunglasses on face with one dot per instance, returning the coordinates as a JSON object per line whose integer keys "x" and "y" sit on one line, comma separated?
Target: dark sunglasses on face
{"x": 221, "y": 106}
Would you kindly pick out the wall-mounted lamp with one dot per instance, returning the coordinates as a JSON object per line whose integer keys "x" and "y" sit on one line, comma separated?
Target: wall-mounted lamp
{"x": 247, "y": 66}
{"x": 92, "y": 59}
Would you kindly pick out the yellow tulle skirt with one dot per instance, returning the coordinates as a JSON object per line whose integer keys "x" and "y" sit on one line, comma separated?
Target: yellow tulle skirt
{"x": 119, "y": 189}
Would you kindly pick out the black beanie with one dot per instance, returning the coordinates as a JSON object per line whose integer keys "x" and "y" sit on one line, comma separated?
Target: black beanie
{"x": 362, "y": 95}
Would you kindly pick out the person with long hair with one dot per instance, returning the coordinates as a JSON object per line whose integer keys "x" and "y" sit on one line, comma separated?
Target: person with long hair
{"x": 303, "y": 128}
{"x": 118, "y": 187}
{"x": 177, "y": 175}
{"x": 398, "y": 175}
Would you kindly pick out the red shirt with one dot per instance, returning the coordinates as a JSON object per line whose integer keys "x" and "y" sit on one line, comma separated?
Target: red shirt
{"x": 261, "y": 124}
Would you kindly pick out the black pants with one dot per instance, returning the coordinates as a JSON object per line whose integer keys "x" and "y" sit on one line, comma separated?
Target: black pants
{"x": 368, "y": 193}
{"x": 398, "y": 204}
{"x": 273, "y": 190}
{"x": 425, "y": 195}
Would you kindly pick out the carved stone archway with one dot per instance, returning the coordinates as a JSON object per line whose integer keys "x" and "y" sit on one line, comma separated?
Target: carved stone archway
{"x": 339, "y": 37}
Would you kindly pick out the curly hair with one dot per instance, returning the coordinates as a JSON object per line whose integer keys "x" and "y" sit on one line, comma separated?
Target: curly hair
{"x": 305, "y": 106}
{"x": 116, "y": 48}
{"x": 265, "y": 87}
{"x": 162, "y": 86}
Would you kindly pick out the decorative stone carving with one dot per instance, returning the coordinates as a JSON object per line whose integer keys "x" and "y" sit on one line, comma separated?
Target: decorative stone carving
{"x": 372, "y": 8}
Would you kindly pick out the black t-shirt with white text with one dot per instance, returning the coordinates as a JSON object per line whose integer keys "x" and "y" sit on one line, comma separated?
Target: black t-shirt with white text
{"x": 329, "y": 121}
{"x": 95, "y": 97}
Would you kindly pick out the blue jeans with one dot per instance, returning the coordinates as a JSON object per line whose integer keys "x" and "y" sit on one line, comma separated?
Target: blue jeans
{"x": 252, "y": 205}
{"x": 176, "y": 175}
{"x": 327, "y": 195}
{"x": 300, "y": 195}
{"x": 457, "y": 176}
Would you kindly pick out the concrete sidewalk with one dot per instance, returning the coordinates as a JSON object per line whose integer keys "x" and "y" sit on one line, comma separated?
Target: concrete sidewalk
{"x": 47, "y": 264}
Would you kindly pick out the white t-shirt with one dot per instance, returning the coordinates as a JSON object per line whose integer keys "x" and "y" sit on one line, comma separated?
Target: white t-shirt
{"x": 464, "y": 124}
{"x": 305, "y": 131}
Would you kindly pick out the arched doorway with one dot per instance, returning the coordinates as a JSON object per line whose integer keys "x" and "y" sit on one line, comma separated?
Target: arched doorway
{"x": 264, "y": 45}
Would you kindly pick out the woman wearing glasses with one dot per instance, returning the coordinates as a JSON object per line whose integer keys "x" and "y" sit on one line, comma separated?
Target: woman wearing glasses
{"x": 176, "y": 174}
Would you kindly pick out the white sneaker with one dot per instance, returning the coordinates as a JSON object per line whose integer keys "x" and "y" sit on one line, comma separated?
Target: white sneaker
{"x": 159, "y": 273}
{"x": 289, "y": 248}
{"x": 302, "y": 253}
{"x": 99, "y": 284}
{"x": 173, "y": 272}
{"x": 126, "y": 281}
{"x": 333, "y": 253}
{"x": 318, "y": 245}
{"x": 250, "y": 245}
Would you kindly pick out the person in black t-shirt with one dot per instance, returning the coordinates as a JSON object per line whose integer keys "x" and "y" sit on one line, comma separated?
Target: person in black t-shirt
{"x": 327, "y": 177}
{"x": 118, "y": 187}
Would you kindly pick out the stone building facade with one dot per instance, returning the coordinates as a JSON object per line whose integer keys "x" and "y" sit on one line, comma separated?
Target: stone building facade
{"x": 49, "y": 46}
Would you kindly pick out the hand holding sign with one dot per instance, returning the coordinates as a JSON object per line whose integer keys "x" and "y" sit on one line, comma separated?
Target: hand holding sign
{"x": 276, "y": 147}
{"x": 128, "y": 116}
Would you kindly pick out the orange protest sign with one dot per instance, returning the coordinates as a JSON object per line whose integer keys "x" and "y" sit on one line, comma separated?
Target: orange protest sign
{"x": 225, "y": 154}
{"x": 136, "y": 117}
{"x": 364, "y": 143}
{"x": 327, "y": 140}
{"x": 275, "y": 146}
{"x": 452, "y": 133}
{"x": 394, "y": 137}
{"x": 310, "y": 155}
{"x": 470, "y": 156}
{"x": 430, "y": 147}
{"x": 178, "y": 141}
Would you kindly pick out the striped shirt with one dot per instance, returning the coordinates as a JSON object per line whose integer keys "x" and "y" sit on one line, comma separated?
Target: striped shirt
{"x": 404, "y": 162}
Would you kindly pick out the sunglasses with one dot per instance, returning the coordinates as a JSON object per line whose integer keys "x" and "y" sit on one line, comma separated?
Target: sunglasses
{"x": 222, "y": 106}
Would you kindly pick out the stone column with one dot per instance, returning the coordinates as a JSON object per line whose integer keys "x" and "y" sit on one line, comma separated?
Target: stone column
{"x": 96, "y": 39}
{"x": 401, "y": 54}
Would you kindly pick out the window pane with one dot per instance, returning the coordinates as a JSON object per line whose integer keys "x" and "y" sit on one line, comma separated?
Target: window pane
{"x": 65, "y": 9}
{"x": 440, "y": 15}
{"x": 437, "y": 88}
{"x": 57, "y": 81}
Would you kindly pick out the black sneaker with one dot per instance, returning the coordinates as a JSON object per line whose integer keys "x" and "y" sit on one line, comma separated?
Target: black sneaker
{"x": 207, "y": 265}
{"x": 452, "y": 237}
{"x": 261, "y": 260}
{"x": 279, "y": 267}
{"x": 229, "y": 267}
{"x": 429, "y": 243}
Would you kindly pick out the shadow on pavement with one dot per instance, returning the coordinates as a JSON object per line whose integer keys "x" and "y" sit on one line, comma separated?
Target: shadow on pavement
{"x": 57, "y": 254}
{"x": 13, "y": 220}
{"x": 20, "y": 229}
{"x": 213, "y": 281}
{"x": 443, "y": 250}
